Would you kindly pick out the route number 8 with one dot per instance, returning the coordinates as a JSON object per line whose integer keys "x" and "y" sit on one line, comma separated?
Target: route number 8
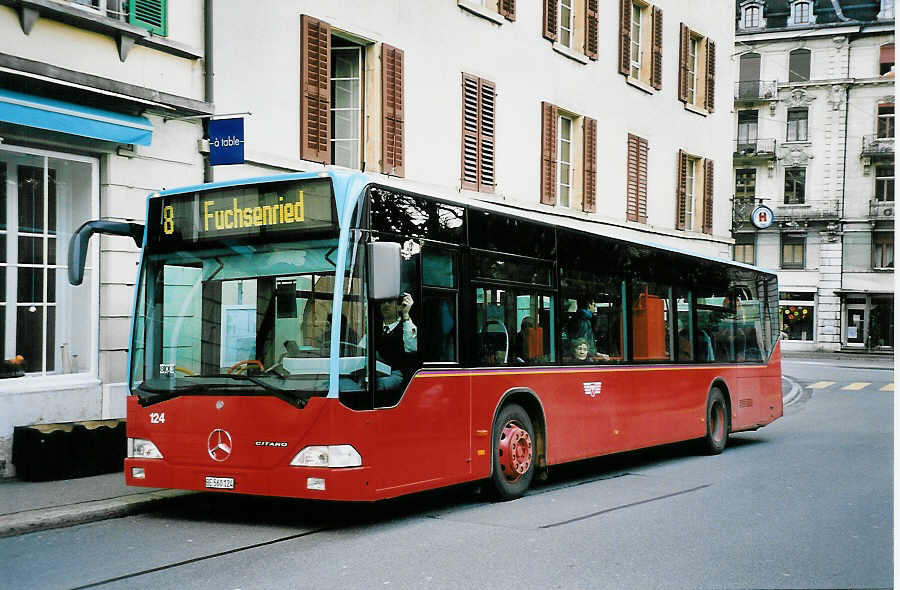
{"x": 168, "y": 219}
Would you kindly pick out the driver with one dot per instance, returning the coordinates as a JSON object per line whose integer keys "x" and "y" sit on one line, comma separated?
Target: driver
{"x": 397, "y": 341}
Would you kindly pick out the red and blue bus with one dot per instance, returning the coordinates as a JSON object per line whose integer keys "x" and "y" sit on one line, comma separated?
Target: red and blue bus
{"x": 338, "y": 336}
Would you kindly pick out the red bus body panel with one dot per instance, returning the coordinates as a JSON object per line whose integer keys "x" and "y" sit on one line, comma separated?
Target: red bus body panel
{"x": 439, "y": 433}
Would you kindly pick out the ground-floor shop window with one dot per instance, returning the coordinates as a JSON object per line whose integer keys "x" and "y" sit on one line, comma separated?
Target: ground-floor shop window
{"x": 796, "y": 312}
{"x": 44, "y": 197}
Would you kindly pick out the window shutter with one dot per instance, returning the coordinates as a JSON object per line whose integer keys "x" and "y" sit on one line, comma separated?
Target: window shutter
{"x": 591, "y": 27}
{"x": 589, "y": 202}
{"x": 685, "y": 36}
{"x": 680, "y": 190}
{"x": 631, "y": 184}
{"x": 710, "y": 75}
{"x": 549, "y": 116}
{"x": 656, "y": 62}
{"x": 470, "y": 139}
{"x": 149, "y": 14}
{"x": 315, "y": 99}
{"x": 486, "y": 111}
{"x": 708, "y": 197}
{"x": 625, "y": 37}
{"x": 479, "y": 100}
{"x": 508, "y": 9}
{"x": 392, "y": 151}
{"x": 642, "y": 180}
{"x": 550, "y": 19}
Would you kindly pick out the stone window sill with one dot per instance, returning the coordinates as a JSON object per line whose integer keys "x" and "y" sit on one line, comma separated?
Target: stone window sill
{"x": 695, "y": 109}
{"x": 481, "y": 11}
{"x": 640, "y": 85}
{"x": 571, "y": 53}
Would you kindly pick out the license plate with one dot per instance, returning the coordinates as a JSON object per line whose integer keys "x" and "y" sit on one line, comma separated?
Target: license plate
{"x": 220, "y": 483}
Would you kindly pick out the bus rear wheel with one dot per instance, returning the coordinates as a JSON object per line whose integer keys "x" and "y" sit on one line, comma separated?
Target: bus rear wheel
{"x": 513, "y": 452}
{"x": 716, "y": 423}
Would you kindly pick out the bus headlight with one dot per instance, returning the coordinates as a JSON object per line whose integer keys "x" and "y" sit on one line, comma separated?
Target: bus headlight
{"x": 140, "y": 448}
{"x": 327, "y": 456}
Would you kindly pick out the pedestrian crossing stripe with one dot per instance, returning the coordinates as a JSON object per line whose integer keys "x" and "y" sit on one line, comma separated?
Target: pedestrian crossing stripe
{"x": 888, "y": 387}
{"x": 856, "y": 386}
{"x": 821, "y": 384}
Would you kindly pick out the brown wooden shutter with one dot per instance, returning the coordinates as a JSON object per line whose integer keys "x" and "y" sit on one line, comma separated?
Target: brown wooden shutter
{"x": 625, "y": 37}
{"x": 708, "y": 180}
{"x": 680, "y": 190}
{"x": 315, "y": 90}
{"x": 592, "y": 28}
{"x": 479, "y": 102}
{"x": 549, "y": 116}
{"x": 631, "y": 183}
{"x": 508, "y": 9}
{"x": 710, "y": 75}
{"x": 589, "y": 200}
{"x": 487, "y": 95}
{"x": 684, "y": 47}
{"x": 656, "y": 61}
{"x": 392, "y": 127}
{"x": 642, "y": 180}
{"x": 551, "y": 7}
{"x": 469, "y": 178}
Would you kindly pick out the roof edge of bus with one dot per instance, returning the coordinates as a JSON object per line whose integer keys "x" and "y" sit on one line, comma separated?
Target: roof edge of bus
{"x": 335, "y": 175}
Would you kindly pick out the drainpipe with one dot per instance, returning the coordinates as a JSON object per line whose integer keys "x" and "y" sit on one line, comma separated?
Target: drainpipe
{"x": 844, "y": 194}
{"x": 207, "y": 76}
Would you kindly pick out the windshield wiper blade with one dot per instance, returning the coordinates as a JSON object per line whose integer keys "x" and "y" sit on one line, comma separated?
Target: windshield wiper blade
{"x": 289, "y": 395}
{"x": 161, "y": 394}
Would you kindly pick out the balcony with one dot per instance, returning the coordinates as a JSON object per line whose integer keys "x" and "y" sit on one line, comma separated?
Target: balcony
{"x": 748, "y": 91}
{"x": 881, "y": 210}
{"x": 874, "y": 146}
{"x": 754, "y": 149}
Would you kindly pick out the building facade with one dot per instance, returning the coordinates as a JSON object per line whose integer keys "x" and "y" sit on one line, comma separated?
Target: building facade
{"x": 612, "y": 113}
{"x": 814, "y": 120}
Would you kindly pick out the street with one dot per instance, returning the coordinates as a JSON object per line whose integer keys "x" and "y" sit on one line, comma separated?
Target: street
{"x": 803, "y": 503}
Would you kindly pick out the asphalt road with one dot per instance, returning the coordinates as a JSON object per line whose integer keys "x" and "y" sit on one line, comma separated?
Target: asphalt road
{"x": 803, "y": 503}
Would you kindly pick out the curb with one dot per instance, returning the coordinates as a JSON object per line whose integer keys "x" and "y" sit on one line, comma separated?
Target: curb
{"x": 27, "y": 521}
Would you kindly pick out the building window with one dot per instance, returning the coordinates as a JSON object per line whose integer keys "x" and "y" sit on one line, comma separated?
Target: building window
{"x": 797, "y": 125}
{"x": 346, "y": 103}
{"x": 748, "y": 122}
{"x": 792, "y": 251}
{"x": 640, "y": 42}
{"x": 751, "y": 17}
{"x": 886, "y": 59}
{"x": 801, "y": 13}
{"x": 148, "y": 14}
{"x": 637, "y": 12}
{"x": 794, "y": 186}
{"x": 883, "y": 250}
{"x": 694, "y": 184}
{"x": 884, "y": 183}
{"x": 799, "y": 65}
{"x": 885, "y": 121}
{"x": 479, "y": 102}
{"x": 568, "y": 166}
{"x": 745, "y": 184}
{"x": 745, "y": 248}
{"x": 573, "y": 25}
{"x": 697, "y": 70}
{"x": 564, "y": 158}
{"x": 796, "y": 313}
{"x": 43, "y": 199}
{"x": 566, "y": 18}
{"x": 690, "y": 185}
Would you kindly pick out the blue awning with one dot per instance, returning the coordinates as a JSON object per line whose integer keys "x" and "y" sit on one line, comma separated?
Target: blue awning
{"x": 67, "y": 117}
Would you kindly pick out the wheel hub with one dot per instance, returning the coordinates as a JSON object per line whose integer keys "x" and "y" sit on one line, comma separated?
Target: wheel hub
{"x": 515, "y": 450}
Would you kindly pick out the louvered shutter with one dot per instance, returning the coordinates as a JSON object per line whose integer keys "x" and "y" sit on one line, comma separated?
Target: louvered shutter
{"x": 551, "y": 17}
{"x": 684, "y": 47}
{"x": 642, "y": 180}
{"x": 708, "y": 180}
{"x": 149, "y": 14}
{"x": 680, "y": 190}
{"x": 508, "y": 9}
{"x": 589, "y": 202}
{"x": 591, "y": 27}
{"x": 625, "y": 37}
{"x": 315, "y": 92}
{"x": 631, "y": 183}
{"x": 656, "y": 61}
{"x": 392, "y": 145}
{"x": 469, "y": 132}
{"x": 710, "y": 75}
{"x": 549, "y": 116}
{"x": 487, "y": 123}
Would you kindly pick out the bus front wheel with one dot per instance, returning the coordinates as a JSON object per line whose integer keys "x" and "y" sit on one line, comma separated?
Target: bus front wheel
{"x": 513, "y": 452}
{"x": 716, "y": 423}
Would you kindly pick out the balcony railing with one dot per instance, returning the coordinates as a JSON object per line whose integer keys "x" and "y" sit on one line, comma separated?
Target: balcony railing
{"x": 881, "y": 209}
{"x": 754, "y": 90}
{"x": 754, "y": 148}
{"x": 872, "y": 145}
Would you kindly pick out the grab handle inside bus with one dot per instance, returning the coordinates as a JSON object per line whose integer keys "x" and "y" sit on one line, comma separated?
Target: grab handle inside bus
{"x": 79, "y": 242}
{"x": 384, "y": 270}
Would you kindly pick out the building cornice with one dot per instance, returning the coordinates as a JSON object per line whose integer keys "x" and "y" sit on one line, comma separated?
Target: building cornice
{"x": 830, "y": 30}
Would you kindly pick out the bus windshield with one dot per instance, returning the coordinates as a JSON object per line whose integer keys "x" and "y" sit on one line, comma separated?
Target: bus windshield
{"x": 247, "y": 318}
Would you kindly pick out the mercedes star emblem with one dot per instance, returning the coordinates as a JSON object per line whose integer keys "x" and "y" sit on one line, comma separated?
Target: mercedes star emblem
{"x": 219, "y": 444}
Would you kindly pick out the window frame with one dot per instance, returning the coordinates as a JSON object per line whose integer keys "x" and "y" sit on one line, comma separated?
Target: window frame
{"x": 567, "y": 27}
{"x": 797, "y": 129}
{"x": 884, "y": 121}
{"x": 745, "y": 241}
{"x": 570, "y": 163}
{"x": 880, "y": 242}
{"x": 794, "y": 75}
{"x": 793, "y": 241}
{"x": 884, "y": 184}
{"x": 693, "y": 54}
{"x": 740, "y": 173}
{"x": 637, "y": 46}
{"x": 794, "y": 199}
{"x": 361, "y": 97}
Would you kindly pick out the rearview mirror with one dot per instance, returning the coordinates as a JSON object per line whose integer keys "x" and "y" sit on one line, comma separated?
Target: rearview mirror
{"x": 79, "y": 242}
{"x": 384, "y": 270}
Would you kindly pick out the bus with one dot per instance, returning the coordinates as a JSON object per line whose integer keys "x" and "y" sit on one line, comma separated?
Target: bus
{"x": 341, "y": 336}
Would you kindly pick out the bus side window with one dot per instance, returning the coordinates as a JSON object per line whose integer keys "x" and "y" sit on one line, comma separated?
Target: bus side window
{"x": 437, "y": 334}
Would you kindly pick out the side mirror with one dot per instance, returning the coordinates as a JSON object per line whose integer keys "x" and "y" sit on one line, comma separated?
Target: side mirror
{"x": 79, "y": 242}
{"x": 384, "y": 270}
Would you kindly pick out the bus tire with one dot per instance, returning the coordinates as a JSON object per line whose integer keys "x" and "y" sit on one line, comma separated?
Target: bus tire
{"x": 717, "y": 423}
{"x": 513, "y": 452}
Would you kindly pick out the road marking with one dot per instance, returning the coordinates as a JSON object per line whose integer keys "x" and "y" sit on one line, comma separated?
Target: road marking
{"x": 821, "y": 385}
{"x": 856, "y": 386}
{"x": 888, "y": 387}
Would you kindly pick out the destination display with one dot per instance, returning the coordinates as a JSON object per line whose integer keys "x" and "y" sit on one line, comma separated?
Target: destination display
{"x": 271, "y": 210}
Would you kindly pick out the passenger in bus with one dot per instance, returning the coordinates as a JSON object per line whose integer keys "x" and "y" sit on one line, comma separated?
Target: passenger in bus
{"x": 396, "y": 343}
{"x": 581, "y": 325}
{"x": 580, "y": 350}
{"x": 522, "y": 352}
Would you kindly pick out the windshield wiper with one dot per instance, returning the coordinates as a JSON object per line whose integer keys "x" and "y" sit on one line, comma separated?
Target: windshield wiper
{"x": 291, "y": 396}
{"x": 161, "y": 394}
